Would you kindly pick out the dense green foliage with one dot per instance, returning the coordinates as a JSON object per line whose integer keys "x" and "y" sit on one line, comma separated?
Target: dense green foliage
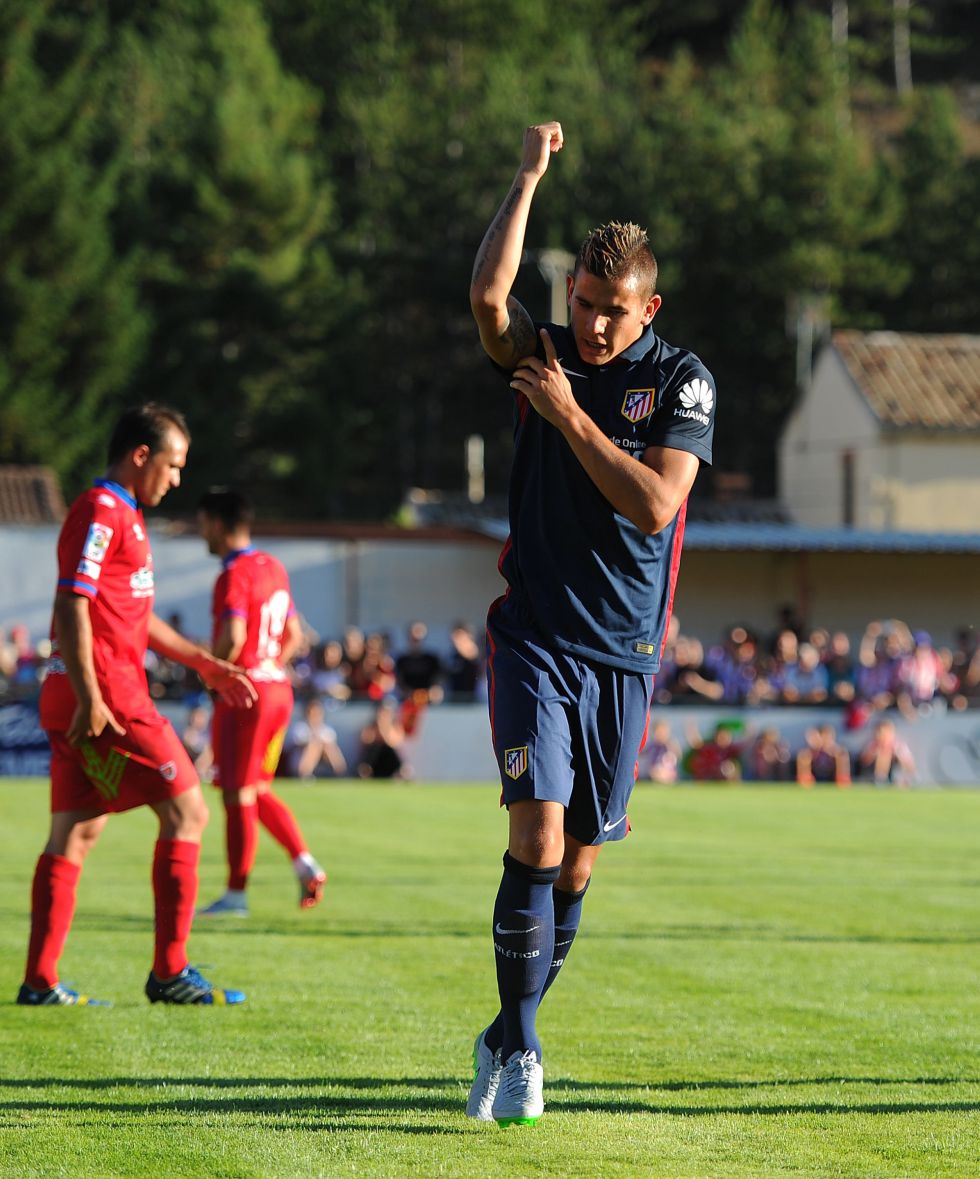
{"x": 265, "y": 212}
{"x": 768, "y": 981}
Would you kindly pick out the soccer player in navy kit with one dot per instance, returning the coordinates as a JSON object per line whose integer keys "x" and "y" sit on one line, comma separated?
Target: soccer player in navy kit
{"x": 610, "y": 426}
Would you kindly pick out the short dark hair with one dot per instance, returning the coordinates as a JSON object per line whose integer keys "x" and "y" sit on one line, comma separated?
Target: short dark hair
{"x": 620, "y": 250}
{"x": 144, "y": 425}
{"x": 233, "y": 508}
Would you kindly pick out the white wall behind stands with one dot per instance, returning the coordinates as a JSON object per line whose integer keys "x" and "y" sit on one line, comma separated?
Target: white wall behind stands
{"x": 376, "y": 584}
{"x": 453, "y": 743}
{"x": 385, "y": 583}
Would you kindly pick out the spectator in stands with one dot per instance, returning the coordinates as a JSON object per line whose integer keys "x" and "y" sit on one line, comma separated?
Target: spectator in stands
{"x": 951, "y": 689}
{"x": 303, "y": 662}
{"x": 25, "y": 671}
{"x": 918, "y": 676}
{"x": 840, "y": 668}
{"x": 882, "y": 647}
{"x": 8, "y": 656}
{"x": 823, "y": 758}
{"x": 735, "y": 666}
{"x": 418, "y": 668}
{"x": 767, "y": 758}
{"x": 417, "y": 673}
{"x": 806, "y": 681}
{"x": 330, "y": 677}
{"x": 196, "y": 739}
{"x": 781, "y": 666}
{"x": 786, "y": 620}
{"x": 464, "y": 668}
{"x": 378, "y": 667}
{"x": 691, "y": 679}
{"x": 662, "y": 754}
{"x": 355, "y": 649}
{"x": 715, "y": 758}
{"x": 886, "y": 757}
{"x": 381, "y": 741}
{"x": 313, "y": 749}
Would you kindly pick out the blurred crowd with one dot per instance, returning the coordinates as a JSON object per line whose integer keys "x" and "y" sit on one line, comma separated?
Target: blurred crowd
{"x": 892, "y": 666}
{"x": 892, "y": 669}
{"x": 734, "y": 752}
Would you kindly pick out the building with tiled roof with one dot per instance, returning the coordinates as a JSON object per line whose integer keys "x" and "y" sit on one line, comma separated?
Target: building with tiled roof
{"x": 887, "y": 436}
{"x": 30, "y": 495}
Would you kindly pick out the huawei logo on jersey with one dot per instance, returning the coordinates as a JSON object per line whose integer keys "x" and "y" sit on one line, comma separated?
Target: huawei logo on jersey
{"x": 697, "y": 398}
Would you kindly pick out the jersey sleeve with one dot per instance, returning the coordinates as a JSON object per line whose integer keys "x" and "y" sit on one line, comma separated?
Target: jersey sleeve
{"x": 89, "y": 538}
{"x": 231, "y": 594}
{"x": 685, "y": 419}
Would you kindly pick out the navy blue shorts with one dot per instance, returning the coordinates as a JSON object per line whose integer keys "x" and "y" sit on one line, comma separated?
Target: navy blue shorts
{"x": 564, "y": 729}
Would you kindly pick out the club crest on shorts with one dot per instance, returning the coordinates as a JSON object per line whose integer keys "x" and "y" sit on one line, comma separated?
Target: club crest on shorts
{"x": 515, "y": 761}
{"x": 168, "y": 771}
{"x": 638, "y": 404}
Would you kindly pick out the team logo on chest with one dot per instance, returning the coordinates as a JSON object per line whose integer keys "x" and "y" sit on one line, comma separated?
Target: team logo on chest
{"x": 638, "y": 404}
{"x": 515, "y": 762}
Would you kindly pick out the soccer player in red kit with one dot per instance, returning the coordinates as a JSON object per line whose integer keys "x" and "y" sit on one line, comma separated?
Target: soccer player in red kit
{"x": 110, "y": 748}
{"x": 254, "y": 626}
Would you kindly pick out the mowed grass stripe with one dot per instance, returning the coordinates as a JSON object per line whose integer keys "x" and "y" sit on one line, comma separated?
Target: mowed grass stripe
{"x": 768, "y": 981}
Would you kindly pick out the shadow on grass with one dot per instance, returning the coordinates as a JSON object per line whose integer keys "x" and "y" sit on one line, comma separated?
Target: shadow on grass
{"x": 100, "y": 923}
{"x": 372, "y": 1096}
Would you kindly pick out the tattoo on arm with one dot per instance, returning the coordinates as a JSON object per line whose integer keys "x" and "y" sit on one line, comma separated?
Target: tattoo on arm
{"x": 519, "y": 333}
{"x": 512, "y": 198}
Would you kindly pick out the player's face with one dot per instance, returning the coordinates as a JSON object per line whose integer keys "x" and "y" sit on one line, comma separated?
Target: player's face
{"x": 210, "y": 531}
{"x": 608, "y": 314}
{"x": 158, "y": 471}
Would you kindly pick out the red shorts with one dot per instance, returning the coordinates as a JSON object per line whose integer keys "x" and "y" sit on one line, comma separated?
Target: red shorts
{"x": 247, "y": 742}
{"x": 110, "y": 773}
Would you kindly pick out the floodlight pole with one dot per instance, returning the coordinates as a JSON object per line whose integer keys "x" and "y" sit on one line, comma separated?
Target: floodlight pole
{"x": 555, "y": 266}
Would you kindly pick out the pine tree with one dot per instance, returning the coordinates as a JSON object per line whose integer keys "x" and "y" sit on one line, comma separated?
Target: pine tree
{"x": 71, "y": 330}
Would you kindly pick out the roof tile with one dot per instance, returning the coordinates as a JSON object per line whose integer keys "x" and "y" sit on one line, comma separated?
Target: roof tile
{"x": 915, "y": 381}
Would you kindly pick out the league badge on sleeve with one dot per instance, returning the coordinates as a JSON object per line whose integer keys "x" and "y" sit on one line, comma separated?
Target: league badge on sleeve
{"x": 638, "y": 404}
{"x": 97, "y": 542}
{"x": 515, "y": 762}
{"x": 89, "y": 569}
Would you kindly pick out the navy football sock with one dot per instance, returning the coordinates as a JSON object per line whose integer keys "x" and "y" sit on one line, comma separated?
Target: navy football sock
{"x": 523, "y": 941}
{"x": 568, "y": 914}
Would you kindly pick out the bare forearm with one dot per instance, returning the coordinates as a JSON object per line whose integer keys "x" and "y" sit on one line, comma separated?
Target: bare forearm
{"x": 506, "y": 330}
{"x": 636, "y": 491}
{"x": 499, "y": 255}
{"x": 73, "y": 630}
{"x": 172, "y": 645}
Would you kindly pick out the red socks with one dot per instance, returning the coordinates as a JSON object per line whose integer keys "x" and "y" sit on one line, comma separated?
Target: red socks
{"x": 241, "y": 840}
{"x": 52, "y": 908}
{"x": 174, "y": 892}
{"x": 278, "y": 820}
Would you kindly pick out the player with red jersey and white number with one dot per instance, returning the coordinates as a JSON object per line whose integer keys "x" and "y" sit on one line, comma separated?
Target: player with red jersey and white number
{"x": 110, "y": 748}
{"x": 254, "y": 626}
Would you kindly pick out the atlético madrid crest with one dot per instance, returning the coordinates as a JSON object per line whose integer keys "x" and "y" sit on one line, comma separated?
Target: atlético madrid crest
{"x": 515, "y": 761}
{"x": 638, "y": 404}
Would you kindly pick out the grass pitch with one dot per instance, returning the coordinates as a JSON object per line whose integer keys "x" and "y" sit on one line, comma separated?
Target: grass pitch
{"x": 768, "y": 982}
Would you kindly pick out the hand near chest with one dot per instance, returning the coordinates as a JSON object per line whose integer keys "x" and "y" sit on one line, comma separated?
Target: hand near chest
{"x": 545, "y": 385}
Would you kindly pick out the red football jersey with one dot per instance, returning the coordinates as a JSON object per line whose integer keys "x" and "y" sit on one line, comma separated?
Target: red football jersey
{"x": 254, "y": 585}
{"x": 104, "y": 555}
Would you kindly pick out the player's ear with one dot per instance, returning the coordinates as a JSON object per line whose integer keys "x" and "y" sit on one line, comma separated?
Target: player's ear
{"x": 651, "y": 309}
{"x": 141, "y": 455}
{"x": 569, "y": 287}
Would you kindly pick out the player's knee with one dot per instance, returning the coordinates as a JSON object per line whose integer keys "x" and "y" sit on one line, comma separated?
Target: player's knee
{"x": 574, "y": 878}
{"x": 537, "y": 847}
{"x": 185, "y": 816}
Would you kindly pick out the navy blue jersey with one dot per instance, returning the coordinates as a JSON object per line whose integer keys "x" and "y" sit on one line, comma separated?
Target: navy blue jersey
{"x": 584, "y": 576}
